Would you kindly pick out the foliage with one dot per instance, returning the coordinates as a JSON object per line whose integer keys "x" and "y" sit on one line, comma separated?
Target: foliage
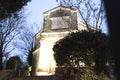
{"x": 14, "y": 63}
{"x": 87, "y": 74}
{"x": 83, "y": 73}
{"x": 27, "y": 70}
{"x": 26, "y": 43}
{"x": 83, "y": 48}
{"x": 9, "y": 28}
{"x": 9, "y": 7}
{"x": 10, "y": 20}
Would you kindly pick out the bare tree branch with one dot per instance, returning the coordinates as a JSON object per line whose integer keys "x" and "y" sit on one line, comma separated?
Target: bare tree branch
{"x": 9, "y": 28}
{"x": 26, "y": 43}
{"x": 91, "y": 12}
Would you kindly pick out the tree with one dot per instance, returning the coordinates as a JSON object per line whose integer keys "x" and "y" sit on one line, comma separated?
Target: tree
{"x": 89, "y": 49}
{"x": 26, "y": 43}
{"x": 15, "y": 63}
{"x": 9, "y": 7}
{"x": 91, "y": 12}
{"x": 9, "y": 28}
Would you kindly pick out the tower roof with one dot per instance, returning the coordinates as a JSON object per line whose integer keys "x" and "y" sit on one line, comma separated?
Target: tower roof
{"x": 60, "y": 7}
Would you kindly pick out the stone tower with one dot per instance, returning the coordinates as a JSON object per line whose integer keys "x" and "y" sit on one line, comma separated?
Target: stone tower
{"x": 58, "y": 22}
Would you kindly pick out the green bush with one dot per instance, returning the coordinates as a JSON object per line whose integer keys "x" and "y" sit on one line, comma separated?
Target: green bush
{"x": 89, "y": 48}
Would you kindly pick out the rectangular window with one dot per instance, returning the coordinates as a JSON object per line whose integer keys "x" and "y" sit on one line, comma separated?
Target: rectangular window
{"x": 60, "y": 22}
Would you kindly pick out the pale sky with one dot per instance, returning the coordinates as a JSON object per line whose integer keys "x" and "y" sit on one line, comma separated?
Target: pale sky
{"x": 34, "y": 15}
{"x": 35, "y": 10}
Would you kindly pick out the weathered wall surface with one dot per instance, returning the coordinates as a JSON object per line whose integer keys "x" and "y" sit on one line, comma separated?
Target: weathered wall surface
{"x": 58, "y": 13}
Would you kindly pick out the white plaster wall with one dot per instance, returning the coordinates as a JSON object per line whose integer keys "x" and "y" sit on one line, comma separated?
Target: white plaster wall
{"x": 46, "y": 61}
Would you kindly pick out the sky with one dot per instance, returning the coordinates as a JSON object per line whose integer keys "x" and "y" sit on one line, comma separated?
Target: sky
{"x": 34, "y": 15}
{"x": 35, "y": 10}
